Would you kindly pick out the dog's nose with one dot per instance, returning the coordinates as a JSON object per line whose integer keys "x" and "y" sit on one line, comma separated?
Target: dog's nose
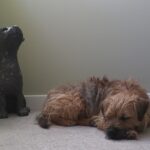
{"x": 116, "y": 133}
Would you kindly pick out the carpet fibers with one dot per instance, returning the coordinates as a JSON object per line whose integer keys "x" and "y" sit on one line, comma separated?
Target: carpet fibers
{"x": 22, "y": 133}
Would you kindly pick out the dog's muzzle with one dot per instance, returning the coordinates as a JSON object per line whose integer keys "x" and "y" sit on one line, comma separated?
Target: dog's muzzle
{"x": 14, "y": 31}
{"x": 116, "y": 133}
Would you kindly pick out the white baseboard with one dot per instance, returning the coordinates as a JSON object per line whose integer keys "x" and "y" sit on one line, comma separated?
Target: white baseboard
{"x": 35, "y": 102}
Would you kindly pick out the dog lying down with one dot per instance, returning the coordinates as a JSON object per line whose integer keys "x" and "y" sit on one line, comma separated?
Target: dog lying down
{"x": 119, "y": 107}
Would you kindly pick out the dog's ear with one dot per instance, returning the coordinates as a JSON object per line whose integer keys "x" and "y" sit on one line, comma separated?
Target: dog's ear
{"x": 141, "y": 108}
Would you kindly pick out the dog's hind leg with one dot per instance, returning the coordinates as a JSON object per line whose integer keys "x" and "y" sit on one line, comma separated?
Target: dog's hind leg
{"x": 43, "y": 121}
{"x": 62, "y": 109}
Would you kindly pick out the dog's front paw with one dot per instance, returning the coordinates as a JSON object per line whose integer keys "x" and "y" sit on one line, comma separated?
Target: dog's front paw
{"x": 3, "y": 115}
{"x": 132, "y": 135}
{"x": 23, "y": 111}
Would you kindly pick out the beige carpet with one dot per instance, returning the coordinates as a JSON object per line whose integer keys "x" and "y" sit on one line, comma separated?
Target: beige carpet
{"x": 23, "y": 134}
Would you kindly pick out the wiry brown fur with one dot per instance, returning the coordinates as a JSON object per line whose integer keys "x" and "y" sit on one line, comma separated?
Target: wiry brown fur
{"x": 98, "y": 102}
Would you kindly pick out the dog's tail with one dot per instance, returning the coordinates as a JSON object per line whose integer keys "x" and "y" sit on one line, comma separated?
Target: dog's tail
{"x": 43, "y": 121}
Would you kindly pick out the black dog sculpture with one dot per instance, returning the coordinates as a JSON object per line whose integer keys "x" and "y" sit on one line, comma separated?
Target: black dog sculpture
{"x": 11, "y": 96}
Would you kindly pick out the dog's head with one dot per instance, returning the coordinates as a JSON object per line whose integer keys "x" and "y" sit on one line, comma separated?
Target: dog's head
{"x": 125, "y": 111}
{"x": 10, "y": 38}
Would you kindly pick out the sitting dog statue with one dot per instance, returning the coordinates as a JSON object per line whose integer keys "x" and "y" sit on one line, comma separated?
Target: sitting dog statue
{"x": 11, "y": 96}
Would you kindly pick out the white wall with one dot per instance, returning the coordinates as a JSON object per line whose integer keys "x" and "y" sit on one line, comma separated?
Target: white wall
{"x": 69, "y": 40}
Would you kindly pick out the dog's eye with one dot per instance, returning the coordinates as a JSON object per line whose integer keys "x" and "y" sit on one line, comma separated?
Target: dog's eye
{"x": 124, "y": 118}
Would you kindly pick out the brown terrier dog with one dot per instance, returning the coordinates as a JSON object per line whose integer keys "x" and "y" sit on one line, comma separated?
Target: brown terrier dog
{"x": 120, "y": 108}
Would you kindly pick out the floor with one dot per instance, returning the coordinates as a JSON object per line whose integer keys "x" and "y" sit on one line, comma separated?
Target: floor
{"x": 22, "y": 133}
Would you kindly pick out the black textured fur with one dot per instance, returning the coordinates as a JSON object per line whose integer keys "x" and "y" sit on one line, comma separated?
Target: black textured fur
{"x": 11, "y": 96}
